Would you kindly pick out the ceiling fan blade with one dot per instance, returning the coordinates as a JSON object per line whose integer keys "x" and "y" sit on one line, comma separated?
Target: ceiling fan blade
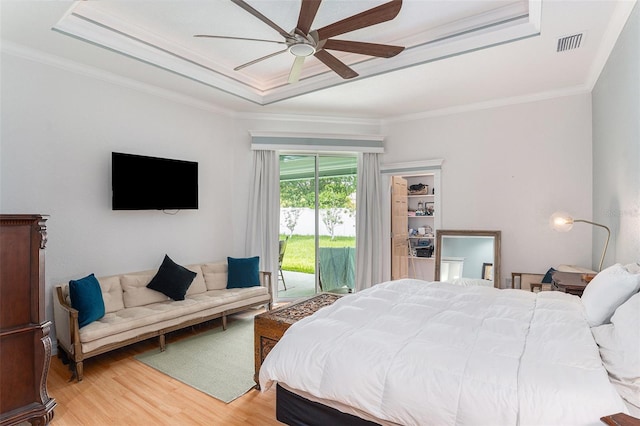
{"x": 238, "y": 38}
{"x": 371, "y": 49}
{"x": 296, "y": 69}
{"x": 255, "y": 61}
{"x": 263, "y": 18}
{"x": 384, "y": 12}
{"x": 308, "y": 11}
{"x": 335, "y": 64}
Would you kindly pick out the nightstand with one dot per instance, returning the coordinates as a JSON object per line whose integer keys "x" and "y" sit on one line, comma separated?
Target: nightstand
{"x": 535, "y": 286}
{"x": 620, "y": 419}
{"x": 568, "y": 282}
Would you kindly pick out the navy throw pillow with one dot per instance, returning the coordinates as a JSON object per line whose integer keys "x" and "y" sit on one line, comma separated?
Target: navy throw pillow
{"x": 547, "y": 277}
{"x": 86, "y": 298}
{"x": 172, "y": 279}
{"x": 243, "y": 272}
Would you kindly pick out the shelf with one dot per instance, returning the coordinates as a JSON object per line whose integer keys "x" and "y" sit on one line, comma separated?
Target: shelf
{"x": 422, "y": 216}
{"x": 421, "y": 196}
{"x": 421, "y": 258}
{"x": 422, "y": 238}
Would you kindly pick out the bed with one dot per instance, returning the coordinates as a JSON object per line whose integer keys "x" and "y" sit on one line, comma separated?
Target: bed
{"x": 412, "y": 352}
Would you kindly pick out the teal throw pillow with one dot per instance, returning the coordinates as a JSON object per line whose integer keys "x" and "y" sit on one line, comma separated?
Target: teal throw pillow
{"x": 172, "y": 279}
{"x": 86, "y": 298}
{"x": 243, "y": 272}
{"x": 548, "y": 277}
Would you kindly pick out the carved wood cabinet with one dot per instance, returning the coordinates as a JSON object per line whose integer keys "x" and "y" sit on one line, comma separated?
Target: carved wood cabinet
{"x": 25, "y": 345}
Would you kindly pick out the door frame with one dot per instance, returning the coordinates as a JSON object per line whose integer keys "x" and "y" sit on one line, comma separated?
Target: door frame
{"x": 411, "y": 168}
{"x": 316, "y": 155}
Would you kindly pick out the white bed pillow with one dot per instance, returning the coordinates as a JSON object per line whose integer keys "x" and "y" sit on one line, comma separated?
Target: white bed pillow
{"x": 633, "y": 268}
{"x": 619, "y": 344}
{"x": 608, "y": 290}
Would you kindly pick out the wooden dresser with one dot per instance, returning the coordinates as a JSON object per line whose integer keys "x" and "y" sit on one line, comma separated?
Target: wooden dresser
{"x": 25, "y": 345}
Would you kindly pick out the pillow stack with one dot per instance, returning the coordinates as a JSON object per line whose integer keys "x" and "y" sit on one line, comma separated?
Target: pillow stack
{"x": 619, "y": 342}
{"x": 607, "y": 291}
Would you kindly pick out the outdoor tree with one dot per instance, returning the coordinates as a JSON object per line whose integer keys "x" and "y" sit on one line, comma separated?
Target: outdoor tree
{"x": 331, "y": 218}
{"x": 335, "y": 199}
{"x": 291, "y": 216}
{"x": 297, "y": 193}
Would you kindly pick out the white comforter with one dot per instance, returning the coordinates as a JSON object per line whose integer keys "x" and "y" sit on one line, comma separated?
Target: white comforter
{"x": 418, "y": 353}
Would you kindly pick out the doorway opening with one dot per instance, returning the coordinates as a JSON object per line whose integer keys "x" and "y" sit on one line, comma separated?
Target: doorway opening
{"x": 317, "y": 224}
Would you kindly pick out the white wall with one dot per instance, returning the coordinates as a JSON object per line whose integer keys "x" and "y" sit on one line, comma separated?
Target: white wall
{"x": 58, "y": 131}
{"x": 506, "y": 168}
{"x": 509, "y": 169}
{"x": 616, "y": 149}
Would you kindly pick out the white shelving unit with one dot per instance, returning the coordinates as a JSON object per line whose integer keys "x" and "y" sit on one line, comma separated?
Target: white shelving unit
{"x": 427, "y": 172}
{"x": 422, "y": 227}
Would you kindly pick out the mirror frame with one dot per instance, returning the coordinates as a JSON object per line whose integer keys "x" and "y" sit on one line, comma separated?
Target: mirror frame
{"x": 470, "y": 233}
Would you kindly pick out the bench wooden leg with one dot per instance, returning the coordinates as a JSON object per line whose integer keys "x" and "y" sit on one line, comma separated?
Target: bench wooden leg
{"x": 163, "y": 342}
{"x": 224, "y": 322}
{"x": 79, "y": 370}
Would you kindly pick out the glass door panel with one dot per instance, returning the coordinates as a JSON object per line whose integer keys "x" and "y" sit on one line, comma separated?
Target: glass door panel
{"x": 297, "y": 261}
{"x": 337, "y": 224}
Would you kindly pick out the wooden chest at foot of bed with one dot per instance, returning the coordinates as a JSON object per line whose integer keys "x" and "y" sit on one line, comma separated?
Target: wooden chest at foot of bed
{"x": 270, "y": 326}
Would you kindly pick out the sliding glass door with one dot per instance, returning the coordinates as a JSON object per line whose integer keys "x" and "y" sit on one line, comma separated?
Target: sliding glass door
{"x": 317, "y": 224}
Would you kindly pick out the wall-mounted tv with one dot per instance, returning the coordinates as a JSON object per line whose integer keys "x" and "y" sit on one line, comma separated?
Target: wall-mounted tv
{"x": 150, "y": 183}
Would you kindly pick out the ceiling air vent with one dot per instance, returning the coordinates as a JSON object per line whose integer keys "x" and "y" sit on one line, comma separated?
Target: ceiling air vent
{"x": 569, "y": 42}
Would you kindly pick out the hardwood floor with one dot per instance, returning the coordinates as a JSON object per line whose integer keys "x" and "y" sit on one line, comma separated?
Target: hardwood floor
{"x": 119, "y": 390}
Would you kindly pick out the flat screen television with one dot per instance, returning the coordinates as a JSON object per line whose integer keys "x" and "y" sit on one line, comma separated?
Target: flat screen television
{"x": 150, "y": 183}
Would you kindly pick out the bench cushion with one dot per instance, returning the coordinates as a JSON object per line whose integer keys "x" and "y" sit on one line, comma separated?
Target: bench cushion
{"x": 135, "y": 291}
{"x": 215, "y": 275}
{"x": 141, "y": 316}
{"x": 198, "y": 285}
{"x": 111, "y": 293}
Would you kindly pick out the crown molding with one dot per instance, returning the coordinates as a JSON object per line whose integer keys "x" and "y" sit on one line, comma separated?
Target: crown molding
{"x": 303, "y": 135}
{"x": 494, "y": 103}
{"x": 617, "y": 23}
{"x": 324, "y": 119}
{"x": 38, "y": 56}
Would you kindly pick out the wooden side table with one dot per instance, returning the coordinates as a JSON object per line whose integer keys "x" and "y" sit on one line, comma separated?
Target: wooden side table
{"x": 568, "y": 282}
{"x": 269, "y": 327}
{"x": 620, "y": 419}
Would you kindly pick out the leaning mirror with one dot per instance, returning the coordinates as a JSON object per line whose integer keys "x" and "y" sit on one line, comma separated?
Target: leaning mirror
{"x": 473, "y": 255}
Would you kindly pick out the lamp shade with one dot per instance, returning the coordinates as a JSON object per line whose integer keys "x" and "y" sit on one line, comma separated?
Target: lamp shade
{"x": 561, "y": 221}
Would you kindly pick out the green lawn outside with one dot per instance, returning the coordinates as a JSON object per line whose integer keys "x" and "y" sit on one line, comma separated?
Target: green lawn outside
{"x": 299, "y": 255}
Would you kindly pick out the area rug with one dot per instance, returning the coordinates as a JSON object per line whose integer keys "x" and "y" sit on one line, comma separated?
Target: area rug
{"x": 219, "y": 363}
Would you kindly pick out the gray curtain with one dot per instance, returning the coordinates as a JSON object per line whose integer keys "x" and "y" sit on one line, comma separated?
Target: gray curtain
{"x": 263, "y": 224}
{"x": 369, "y": 238}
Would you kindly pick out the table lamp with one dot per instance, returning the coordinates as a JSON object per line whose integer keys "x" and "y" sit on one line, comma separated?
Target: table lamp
{"x": 563, "y": 222}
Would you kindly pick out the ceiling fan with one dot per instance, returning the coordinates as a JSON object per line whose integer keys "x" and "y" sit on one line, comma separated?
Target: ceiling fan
{"x": 302, "y": 42}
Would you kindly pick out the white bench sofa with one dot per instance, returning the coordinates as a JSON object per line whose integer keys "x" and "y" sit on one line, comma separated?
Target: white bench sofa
{"x": 134, "y": 312}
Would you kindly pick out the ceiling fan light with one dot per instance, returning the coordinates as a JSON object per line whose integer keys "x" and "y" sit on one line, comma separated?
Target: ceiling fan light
{"x": 302, "y": 50}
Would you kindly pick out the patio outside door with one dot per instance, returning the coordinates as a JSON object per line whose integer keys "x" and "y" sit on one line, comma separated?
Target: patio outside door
{"x": 317, "y": 224}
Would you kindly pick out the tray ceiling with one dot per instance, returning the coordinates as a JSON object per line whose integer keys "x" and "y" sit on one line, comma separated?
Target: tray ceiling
{"x": 161, "y": 34}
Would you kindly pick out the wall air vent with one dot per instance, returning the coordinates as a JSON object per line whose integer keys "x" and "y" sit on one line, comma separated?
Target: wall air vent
{"x": 569, "y": 42}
